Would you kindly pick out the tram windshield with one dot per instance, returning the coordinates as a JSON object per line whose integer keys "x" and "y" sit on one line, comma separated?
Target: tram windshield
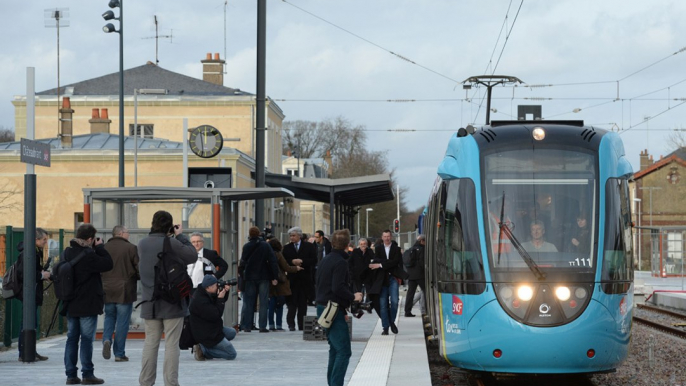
{"x": 541, "y": 207}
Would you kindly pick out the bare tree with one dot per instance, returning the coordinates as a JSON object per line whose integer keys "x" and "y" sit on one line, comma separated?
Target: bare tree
{"x": 6, "y": 134}
{"x": 677, "y": 139}
{"x": 10, "y": 197}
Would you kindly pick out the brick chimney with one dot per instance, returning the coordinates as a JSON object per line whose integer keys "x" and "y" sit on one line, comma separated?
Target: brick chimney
{"x": 213, "y": 69}
{"x": 646, "y": 160}
{"x": 66, "y": 124}
{"x": 100, "y": 122}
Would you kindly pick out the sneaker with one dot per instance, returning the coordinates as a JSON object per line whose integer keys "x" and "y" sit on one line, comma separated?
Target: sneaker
{"x": 122, "y": 358}
{"x": 394, "y": 328}
{"x": 92, "y": 381}
{"x": 73, "y": 381}
{"x": 107, "y": 349}
{"x": 384, "y": 332}
{"x": 40, "y": 357}
{"x": 197, "y": 351}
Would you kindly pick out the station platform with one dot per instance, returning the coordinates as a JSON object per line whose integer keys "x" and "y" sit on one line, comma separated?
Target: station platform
{"x": 660, "y": 291}
{"x": 264, "y": 359}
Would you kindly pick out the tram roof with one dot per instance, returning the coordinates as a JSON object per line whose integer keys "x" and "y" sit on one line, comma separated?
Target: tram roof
{"x": 347, "y": 191}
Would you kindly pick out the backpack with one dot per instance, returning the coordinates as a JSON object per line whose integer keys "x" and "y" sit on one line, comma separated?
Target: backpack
{"x": 11, "y": 287}
{"x": 186, "y": 341}
{"x": 64, "y": 278}
{"x": 410, "y": 257}
{"x": 172, "y": 283}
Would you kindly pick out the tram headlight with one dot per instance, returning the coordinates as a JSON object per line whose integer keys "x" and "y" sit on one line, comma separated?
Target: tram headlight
{"x": 506, "y": 292}
{"x": 563, "y": 293}
{"x": 580, "y": 293}
{"x": 525, "y": 293}
{"x": 538, "y": 133}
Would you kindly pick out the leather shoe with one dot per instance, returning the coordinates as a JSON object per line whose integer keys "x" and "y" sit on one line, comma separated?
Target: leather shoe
{"x": 121, "y": 359}
{"x": 394, "y": 328}
{"x": 197, "y": 353}
{"x": 409, "y": 315}
{"x": 384, "y": 332}
{"x": 92, "y": 381}
{"x": 40, "y": 357}
{"x": 263, "y": 330}
{"x": 74, "y": 381}
{"x": 291, "y": 328}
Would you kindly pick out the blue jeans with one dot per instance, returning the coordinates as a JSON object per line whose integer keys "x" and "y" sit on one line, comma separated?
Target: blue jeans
{"x": 223, "y": 349}
{"x": 389, "y": 294}
{"x": 118, "y": 315}
{"x": 83, "y": 328}
{"x": 339, "y": 348}
{"x": 276, "y": 306}
{"x": 252, "y": 289}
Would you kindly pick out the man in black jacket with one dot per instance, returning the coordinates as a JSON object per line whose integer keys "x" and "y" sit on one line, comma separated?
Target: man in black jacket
{"x": 415, "y": 274}
{"x": 82, "y": 311}
{"x": 304, "y": 254}
{"x": 333, "y": 284}
{"x": 41, "y": 275}
{"x": 209, "y": 262}
{"x": 207, "y": 325}
{"x": 258, "y": 266}
{"x": 387, "y": 257}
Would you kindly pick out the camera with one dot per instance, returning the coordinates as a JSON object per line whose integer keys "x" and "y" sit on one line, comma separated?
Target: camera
{"x": 171, "y": 230}
{"x": 230, "y": 282}
{"x": 358, "y": 308}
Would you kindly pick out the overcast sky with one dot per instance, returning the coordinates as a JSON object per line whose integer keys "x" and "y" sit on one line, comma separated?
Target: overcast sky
{"x": 329, "y": 58}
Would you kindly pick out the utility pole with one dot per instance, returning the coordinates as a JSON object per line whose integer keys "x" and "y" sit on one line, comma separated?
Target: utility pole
{"x": 489, "y": 81}
{"x": 260, "y": 102}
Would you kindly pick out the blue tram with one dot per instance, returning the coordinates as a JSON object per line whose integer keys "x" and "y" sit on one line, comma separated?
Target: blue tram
{"x": 529, "y": 252}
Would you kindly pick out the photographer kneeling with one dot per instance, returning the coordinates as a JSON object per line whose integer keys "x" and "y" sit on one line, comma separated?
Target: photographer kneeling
{"x": 333, "y": 285}
{"x": 207, "y": 325}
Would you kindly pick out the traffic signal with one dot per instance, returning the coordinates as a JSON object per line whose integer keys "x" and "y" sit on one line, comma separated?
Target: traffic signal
{"x": 396, "y": 225}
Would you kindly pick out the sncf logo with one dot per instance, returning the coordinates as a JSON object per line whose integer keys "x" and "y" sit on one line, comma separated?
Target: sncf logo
{"x": 457, "y": 306}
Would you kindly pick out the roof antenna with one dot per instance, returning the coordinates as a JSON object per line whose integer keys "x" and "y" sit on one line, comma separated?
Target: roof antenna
{"x": 157, "y": 37}
{"x": 226, "y": 3}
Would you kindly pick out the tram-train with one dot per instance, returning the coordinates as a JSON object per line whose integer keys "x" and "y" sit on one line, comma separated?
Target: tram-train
{"x": 529, "y": 252}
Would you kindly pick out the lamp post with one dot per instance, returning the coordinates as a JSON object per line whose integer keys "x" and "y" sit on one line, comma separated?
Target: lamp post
{"x": 136, "y": 92}
{"x": 368, "y": 210}
{"x": 108, "y": 28}
{"x": 638, "y": 200}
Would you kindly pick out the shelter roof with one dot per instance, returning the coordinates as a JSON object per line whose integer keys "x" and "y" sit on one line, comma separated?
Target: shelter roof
{"x": 165, "y": 193}
{"x": 346, "y": 191}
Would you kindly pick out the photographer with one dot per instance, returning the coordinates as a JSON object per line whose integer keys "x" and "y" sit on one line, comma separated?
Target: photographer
{"x": 207, "y": 326}
{"x": 333, "y": 280}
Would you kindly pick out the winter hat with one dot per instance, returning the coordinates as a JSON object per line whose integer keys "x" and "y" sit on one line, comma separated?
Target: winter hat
{"x": 208, "y": 280}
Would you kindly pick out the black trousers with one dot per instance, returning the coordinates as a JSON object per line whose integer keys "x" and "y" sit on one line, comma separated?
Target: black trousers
{"x": 376, "y": 304}
{"x": 411, "y": 289}
{"x": 297, "y": 303}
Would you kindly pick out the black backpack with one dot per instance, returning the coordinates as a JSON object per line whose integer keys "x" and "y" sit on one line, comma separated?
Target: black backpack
{"x": 186, "y": 341}
{"x": 410, "y": 257}
{"x": 64, "y": 278}
{"x": 11, "y": 287}
{"x": 172, "y": 283}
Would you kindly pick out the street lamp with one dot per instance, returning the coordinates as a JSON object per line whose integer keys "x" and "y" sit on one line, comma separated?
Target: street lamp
{"x": 136, "y": 92}
{"x": 368, "y": 210}
{"x": 638, "y": 200}
{"x": 108, "y": 28}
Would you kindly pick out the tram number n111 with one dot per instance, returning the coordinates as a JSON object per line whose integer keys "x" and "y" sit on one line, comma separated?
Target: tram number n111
{"x": 580, "y": 262}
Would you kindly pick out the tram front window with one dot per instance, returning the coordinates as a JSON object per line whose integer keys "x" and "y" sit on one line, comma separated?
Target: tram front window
{"x": 540, "y": 206}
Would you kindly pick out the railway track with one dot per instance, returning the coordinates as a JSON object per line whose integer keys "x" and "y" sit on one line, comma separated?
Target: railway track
{"x": 529, "y": 380}
{"x": 678, "y": 332}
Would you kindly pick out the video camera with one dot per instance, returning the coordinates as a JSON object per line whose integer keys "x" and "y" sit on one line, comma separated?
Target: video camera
{"x": 231, "y": 282}
{"x": 358, "y": 308}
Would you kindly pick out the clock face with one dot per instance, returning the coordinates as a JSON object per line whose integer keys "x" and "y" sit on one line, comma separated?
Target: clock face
{"x": 206, "y": 141}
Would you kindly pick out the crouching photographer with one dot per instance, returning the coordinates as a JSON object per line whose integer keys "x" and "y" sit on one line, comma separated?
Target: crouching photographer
{"x": 334, "y": 295}
{"x": 207, "y": 326}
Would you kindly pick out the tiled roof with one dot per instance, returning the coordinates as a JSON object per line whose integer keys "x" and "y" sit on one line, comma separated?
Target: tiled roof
{"x": 146, "y": 76}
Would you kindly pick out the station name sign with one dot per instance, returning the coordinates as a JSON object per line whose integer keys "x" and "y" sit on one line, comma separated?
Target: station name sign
{"x": 34, "y": 152}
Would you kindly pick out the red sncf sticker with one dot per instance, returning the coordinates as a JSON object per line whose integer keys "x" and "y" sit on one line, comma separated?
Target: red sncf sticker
{"x": 457, "y": 305}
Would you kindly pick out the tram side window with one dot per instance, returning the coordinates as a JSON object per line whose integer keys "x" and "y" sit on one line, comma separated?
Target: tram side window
{"x": 462, "y": 251}
{"x": 617, "y": 271}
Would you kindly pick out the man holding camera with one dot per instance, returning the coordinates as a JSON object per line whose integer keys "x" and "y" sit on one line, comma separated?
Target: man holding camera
{"x": 207, "y": 325}
{"x": 333, "y": 285}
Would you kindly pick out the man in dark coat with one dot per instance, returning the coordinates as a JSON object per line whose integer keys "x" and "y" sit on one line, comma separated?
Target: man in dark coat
{"x": 304, "y": 254}
{"x": 41, "y": 275}
{"x": 120, "y": 293}
{"x": 207, "y": 326}
{"x": 333, "y": 285}
{"x": 323, "y": 248}
{"x": 415, "y": 273}
{"x": 82, "y": 311}
{"x": 258, "y": 267}
{"x": 388, "y": 259}
{"x": 209, "y": 261}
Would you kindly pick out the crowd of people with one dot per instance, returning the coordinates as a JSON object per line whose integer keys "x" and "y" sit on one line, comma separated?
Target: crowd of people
{"x": 299, "y": 274}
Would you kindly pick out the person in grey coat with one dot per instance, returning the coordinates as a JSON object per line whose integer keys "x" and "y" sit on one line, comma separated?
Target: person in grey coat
{"x": 168, "y": 317}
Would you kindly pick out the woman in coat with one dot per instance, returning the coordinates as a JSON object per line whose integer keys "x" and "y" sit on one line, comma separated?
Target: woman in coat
{"x": 278, "y": 292}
